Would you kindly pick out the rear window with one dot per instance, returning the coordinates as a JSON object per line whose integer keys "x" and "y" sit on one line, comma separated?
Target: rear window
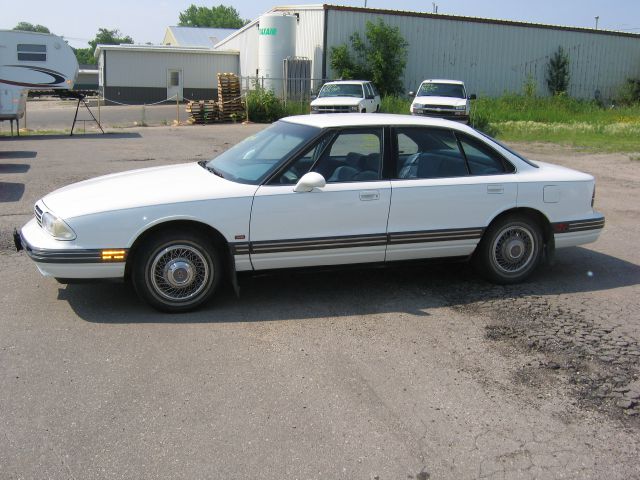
{"x": 512, "y": 152}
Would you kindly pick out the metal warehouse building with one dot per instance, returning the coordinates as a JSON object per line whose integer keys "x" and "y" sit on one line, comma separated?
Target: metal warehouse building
{"x": 491, "y": 56}
{"x": 146, "y": 74}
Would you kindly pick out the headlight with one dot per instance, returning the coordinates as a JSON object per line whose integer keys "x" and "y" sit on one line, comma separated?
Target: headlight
{"x": 461, "y": 107}
{"x": 355, "y": 108}
{"x": 56, "y": 227}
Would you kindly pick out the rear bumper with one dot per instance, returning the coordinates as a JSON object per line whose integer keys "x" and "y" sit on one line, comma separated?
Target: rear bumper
{"x": 577, "y": 232}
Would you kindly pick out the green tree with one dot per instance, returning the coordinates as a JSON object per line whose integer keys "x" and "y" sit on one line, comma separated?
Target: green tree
{"x": 104, "y": 37}
{"x": 216, "y": 17}
{"x": 85, "y": 56}
{"x": 380, "y": 57}
{"x": 29, "y": 27}
{"x": 558, "y": 72}
{"x": 109, "y": 37}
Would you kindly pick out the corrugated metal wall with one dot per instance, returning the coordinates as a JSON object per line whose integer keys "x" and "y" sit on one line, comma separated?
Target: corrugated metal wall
{"x": 142, "y": 68}
{"x": 245, "y": 42}
{"x": 494, "y": 58}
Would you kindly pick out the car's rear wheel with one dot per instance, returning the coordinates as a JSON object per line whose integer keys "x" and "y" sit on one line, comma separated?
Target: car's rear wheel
{"x": 176, "y": 271}
{"x": 510, "y": 249}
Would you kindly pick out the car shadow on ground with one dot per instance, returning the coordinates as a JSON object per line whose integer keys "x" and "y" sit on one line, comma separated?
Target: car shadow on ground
{"x": 76, "y": 135}
{"x": 11, "y": 192}
{"x": 18, "y": 154}
{"x": 366, "y": 291}
{"x": 14, "y": 168}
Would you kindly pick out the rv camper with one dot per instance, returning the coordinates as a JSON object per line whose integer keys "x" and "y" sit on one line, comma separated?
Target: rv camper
{"x": 32, "y": 61}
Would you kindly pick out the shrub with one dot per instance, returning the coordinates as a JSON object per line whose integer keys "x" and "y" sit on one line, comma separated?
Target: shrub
{"x": 558, "y": 72}
{"x": 629, "y": 93}
{"x": 395, "y": 104}
{"x": 263, "y": 106}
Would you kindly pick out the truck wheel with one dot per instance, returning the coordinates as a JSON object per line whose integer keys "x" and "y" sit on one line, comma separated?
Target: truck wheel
{"x": 176, "y": 271}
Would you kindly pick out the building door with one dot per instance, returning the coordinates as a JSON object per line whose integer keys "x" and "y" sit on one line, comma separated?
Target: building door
{"x": 174, "y": 83}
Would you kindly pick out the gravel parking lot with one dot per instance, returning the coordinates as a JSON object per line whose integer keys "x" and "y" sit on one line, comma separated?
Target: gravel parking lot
{"x": 423, "y": 372}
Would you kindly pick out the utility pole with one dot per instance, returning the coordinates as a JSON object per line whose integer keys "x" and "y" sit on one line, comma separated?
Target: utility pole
{"x": 597, "y": 17}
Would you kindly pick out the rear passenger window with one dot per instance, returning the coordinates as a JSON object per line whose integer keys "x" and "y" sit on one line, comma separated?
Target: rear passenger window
{"x": 481, "y": 159}
{"x": 437, "y": 154}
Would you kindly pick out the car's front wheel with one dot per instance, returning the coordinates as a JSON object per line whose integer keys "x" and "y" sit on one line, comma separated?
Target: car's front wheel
{"x": 510, "y": 249}
{"x": 176, "y": 271}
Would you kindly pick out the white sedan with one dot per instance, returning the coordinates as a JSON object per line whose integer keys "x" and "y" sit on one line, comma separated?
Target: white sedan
{"x": 310, "y": 191}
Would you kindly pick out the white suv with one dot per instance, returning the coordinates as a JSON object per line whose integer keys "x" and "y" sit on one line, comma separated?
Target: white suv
{"x": 444, "y": 99}
{"x": 347, "y": 96}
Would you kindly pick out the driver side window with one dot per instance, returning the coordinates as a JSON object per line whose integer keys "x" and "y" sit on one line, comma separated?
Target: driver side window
{"x": 302, "y": 165}
{"x": 354, "y": 155}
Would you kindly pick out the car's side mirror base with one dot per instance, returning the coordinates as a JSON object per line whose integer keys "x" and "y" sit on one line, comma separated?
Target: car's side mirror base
{"x": 310, "y": 181}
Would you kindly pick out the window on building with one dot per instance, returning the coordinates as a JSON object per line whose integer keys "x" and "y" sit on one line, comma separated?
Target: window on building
{"x": 175, "y": 79}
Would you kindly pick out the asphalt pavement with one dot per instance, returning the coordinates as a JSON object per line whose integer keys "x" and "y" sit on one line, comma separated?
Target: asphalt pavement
{"x": 424, "y": 372}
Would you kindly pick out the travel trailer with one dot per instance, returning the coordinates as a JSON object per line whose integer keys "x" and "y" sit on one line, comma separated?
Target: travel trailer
{"x": 32, "y": 61}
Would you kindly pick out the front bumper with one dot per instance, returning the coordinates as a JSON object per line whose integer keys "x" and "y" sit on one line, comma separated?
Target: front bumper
{"x": 55, "y": 258}
{"x": 444, "y": 115}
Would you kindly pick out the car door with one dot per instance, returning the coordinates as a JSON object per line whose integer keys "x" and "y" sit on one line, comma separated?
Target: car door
{"x": 343, "y": 222}
{"x": 376, "y": 98}
{"x": 369, "y": 98}
{"x": 446, "y": 189}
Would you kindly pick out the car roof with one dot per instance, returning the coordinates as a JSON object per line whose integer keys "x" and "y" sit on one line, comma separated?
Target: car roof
{"x": 443, "y": 80}
{"x": 331, "y": 120}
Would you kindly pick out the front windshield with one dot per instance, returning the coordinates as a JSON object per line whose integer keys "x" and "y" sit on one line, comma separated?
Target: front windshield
{"x": 251, "y": 160}
{"x": 441, "y": 90}
{"x": 341, "y": 90}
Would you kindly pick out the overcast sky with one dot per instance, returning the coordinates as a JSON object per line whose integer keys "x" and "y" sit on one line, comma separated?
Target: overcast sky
{"x": 146, "y": 20}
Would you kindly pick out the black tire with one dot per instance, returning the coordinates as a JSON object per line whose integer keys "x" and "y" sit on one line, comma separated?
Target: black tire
{"x": 176, "y": 271}
{"x": 364, "y": 110}
{"x": 510, "y": 249}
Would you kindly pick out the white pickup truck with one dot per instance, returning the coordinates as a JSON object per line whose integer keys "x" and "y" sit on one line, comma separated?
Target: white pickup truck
{"x": 357, "y": 96}
{"x": 442, "y": 98}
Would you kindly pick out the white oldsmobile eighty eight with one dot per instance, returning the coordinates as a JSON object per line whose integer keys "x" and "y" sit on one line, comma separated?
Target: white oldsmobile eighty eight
{"x": 314, "y": 190}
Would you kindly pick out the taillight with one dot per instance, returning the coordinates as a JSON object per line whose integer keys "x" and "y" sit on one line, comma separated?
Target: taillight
{"x": 593, "y": 196}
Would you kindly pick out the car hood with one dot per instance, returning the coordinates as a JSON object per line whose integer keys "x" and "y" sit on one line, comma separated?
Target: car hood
{"x": 444, "y": 101}
{"x": 139, "y": 188}
{"x": 328, "y": 101}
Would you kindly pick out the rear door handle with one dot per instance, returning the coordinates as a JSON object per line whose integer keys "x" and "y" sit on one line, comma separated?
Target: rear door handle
{"x": 368, "y": 195}
{"x": 495, "y": 189}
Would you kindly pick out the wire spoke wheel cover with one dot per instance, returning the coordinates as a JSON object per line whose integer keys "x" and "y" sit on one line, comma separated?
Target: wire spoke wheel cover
{"x": 179, "y": 272}
{"x": 513, "y": 249}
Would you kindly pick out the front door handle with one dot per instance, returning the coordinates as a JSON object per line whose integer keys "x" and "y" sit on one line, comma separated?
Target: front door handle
{"x": 368, "y": 195}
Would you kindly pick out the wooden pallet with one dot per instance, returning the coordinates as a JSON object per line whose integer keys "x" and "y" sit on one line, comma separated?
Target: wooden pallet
{"x": 203, "y": 111}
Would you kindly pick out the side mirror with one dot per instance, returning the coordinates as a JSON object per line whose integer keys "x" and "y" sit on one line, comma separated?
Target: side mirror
{"x": 313, "y": 96}
{"x": 370, "y": 97}
{"x": 309, "y": 181}
{"x": 412, "y": 94}
{"x": 472, "y": 96}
